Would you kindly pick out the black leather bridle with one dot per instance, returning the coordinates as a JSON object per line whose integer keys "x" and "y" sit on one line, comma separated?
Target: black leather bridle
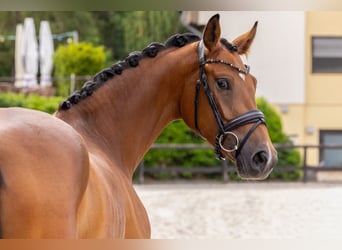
{"x": 225, "y": 130}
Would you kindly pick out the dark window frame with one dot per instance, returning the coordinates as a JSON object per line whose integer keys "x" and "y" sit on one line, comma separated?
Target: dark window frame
{"x": 322, "y": 133}
{"x": 321, "y": 64}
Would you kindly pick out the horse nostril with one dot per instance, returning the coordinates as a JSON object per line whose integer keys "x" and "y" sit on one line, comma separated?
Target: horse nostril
{"x": 260, "y": 159}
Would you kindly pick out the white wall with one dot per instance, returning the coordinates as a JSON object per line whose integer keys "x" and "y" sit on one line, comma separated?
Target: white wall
{"x": 277, "y": 56}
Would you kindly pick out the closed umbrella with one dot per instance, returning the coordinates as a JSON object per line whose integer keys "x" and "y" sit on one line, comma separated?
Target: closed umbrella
{"x": 19, "y": 56}
{"x": 30, "y": 53}
{"x": 46, "y": 50}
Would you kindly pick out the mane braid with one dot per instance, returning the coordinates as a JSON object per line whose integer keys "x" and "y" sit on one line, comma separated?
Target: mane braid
{"x": 132, "y": 60}
{"x": 232, "y": 48}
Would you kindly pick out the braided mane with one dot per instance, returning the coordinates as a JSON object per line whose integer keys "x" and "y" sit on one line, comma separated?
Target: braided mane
{"x": 132, "y": 60}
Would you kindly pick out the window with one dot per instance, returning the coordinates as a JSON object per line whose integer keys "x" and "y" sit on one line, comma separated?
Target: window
{"x": 327, "y": 54}
{"x": 331, "y": 157}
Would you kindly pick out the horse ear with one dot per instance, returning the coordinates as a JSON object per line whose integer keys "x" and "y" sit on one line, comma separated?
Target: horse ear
{"x": 244, "y": 42}
{"x": 212, "y": 32}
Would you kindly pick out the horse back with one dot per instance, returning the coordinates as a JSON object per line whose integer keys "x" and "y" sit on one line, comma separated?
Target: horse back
{"x": 38, "y": 152}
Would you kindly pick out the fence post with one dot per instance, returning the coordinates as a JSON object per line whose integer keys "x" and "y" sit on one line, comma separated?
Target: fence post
{"x": 225, "y": 175}
{"x": 72, "y": 83}
{"x": 141, "y": 172}
{"x": 305, "y": 167}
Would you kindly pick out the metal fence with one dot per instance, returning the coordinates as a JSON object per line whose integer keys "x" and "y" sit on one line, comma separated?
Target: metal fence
{"x": 226, "y": 167}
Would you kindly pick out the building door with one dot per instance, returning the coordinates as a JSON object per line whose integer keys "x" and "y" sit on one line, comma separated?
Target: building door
{"x": 331, "y": 157}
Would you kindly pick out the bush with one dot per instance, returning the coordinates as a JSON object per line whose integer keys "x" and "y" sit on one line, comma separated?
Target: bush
{"x": 33, "y": 101}
{"x": 286, "y": 157}
{"x": 81, "y": 59}
{"x": 178, "y": 132}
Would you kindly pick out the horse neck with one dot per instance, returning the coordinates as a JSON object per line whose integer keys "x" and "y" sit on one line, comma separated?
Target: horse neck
{"x": 125, "y": 115}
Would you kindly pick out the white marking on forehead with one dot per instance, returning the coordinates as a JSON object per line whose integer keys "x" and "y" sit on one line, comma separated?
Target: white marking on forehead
{"x": 242, "y": 76}
{"x": 244, "y": 61}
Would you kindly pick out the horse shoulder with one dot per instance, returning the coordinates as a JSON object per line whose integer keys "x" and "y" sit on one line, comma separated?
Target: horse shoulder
{"x": 45, "y": 164}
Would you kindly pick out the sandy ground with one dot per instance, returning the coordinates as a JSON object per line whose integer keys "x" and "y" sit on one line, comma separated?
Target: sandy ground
{"x": 244, "y": 211}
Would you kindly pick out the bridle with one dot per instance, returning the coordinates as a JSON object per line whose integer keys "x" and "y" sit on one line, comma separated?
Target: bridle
{"x": 225, "y": 130}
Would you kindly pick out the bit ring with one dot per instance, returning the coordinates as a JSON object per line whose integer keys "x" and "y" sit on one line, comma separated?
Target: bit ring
{"x": 236, "y": 146}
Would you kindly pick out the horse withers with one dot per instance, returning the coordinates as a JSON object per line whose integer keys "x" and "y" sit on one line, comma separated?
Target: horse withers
{"x": 69, "y": 175}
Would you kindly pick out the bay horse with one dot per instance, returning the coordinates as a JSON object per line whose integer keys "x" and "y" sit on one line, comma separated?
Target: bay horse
{"x": 69, "y": 175}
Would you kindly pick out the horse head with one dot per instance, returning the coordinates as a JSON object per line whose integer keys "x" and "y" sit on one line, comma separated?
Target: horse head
{"x": 225, "y": 110}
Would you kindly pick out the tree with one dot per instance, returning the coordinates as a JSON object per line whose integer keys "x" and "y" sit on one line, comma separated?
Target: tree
{"x": 77, "y": 58}
{"x": 140, "y": 28}
{"x": 121, "y": 32}
{"x": 60, "y": 22}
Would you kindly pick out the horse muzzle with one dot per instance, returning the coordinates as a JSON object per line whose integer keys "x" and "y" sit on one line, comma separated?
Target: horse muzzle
{"x": 256, "y": 165}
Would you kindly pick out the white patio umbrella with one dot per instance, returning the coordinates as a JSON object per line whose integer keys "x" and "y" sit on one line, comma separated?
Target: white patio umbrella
{"x": 18, "y": 57}
{"x": 46, "y": 50}
{"x": 30, "y": 53}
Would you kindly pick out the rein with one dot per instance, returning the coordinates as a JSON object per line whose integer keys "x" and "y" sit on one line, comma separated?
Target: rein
{"x": 225, "y": 130}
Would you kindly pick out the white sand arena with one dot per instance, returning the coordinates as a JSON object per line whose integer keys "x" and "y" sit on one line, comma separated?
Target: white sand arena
{"x": 244, "y": 211}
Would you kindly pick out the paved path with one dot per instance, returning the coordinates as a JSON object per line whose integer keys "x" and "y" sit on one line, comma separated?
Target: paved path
{"x": 244, "y": 211}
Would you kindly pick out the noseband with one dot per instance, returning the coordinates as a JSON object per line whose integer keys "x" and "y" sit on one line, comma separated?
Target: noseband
{"x": 225, "y": 130}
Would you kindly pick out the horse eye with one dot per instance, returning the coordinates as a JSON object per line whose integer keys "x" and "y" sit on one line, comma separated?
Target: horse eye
{"x": 223, "y": 83}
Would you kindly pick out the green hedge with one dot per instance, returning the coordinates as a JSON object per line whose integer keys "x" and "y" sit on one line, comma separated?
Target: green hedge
{"x": 178, "y": 132}
{"x": 32, "y": 101}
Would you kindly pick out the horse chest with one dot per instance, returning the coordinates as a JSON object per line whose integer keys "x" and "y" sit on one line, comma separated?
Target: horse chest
{"x": 111, "y": 209}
